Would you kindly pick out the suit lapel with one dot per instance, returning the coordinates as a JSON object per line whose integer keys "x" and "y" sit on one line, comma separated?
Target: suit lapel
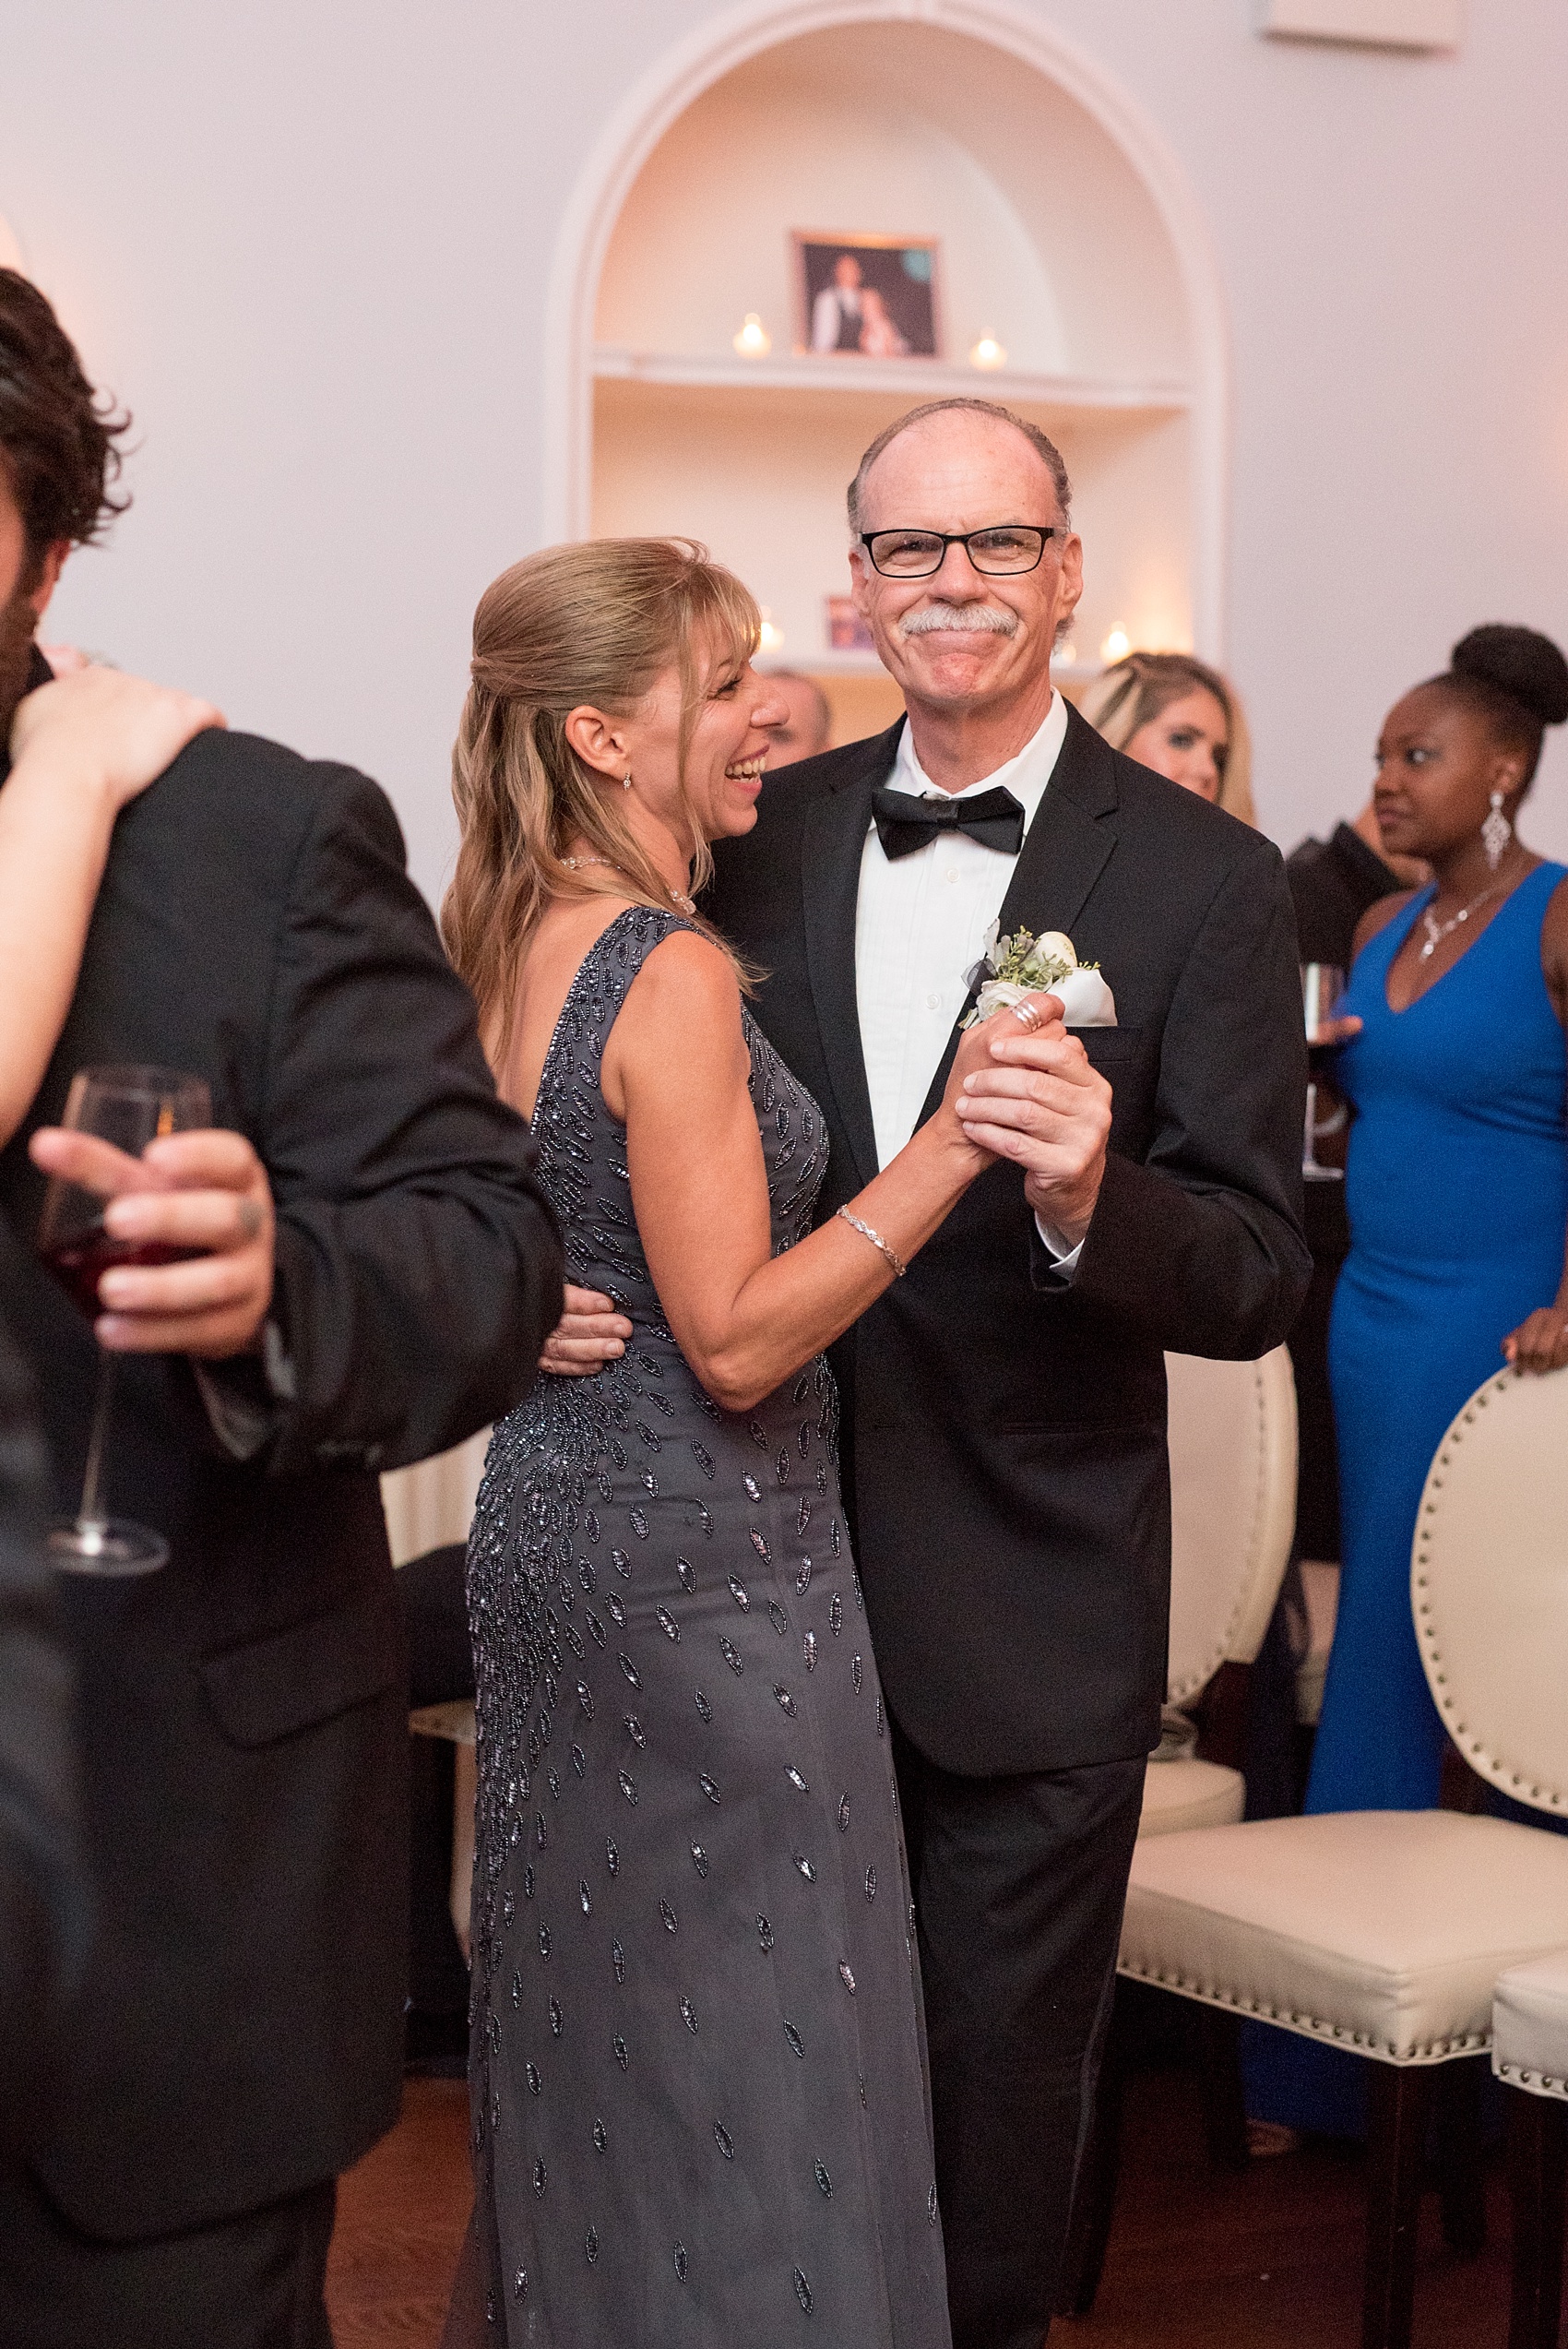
{"x": 1065, "y": 851}
{"x": 830, "y": 877}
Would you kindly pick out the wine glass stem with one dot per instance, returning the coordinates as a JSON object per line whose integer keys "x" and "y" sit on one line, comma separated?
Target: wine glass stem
{"x": 93, "y": 1516}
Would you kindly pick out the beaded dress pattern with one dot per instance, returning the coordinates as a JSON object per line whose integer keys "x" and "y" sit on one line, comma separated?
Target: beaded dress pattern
{"x": 699, "y": 2102}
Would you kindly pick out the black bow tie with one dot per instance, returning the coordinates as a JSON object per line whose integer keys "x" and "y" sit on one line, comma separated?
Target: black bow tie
{"x": 904, "y": 822}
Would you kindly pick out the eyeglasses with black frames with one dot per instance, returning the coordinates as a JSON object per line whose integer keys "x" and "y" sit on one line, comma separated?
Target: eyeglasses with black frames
{"x": 1001, "y": 552}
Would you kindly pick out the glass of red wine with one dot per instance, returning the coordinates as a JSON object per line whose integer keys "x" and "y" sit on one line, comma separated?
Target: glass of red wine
{"x": 125, "y": 1109}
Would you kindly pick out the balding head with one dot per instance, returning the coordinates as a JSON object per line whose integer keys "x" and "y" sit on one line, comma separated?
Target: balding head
{"x": 968, "y": 647}
{"x": 807, "y": 724}
{"x": 1047, "y": 450}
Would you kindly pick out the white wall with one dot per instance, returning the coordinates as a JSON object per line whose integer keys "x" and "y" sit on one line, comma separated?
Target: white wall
{"x": 308, "y": 243}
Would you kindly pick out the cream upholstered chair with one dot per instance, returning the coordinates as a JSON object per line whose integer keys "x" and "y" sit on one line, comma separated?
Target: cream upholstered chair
{"x": 1383, "y": 1932}
{"x": 432, "y": 1502}
{"x": 427, "y": 1505}
{"x": 1233, "y": 1431}
{"x": 1529, "y": 2053}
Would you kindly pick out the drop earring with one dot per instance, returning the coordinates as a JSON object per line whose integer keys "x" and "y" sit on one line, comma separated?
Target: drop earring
{"x": 626, "y": 784}
{"x": 1496, "y": 833}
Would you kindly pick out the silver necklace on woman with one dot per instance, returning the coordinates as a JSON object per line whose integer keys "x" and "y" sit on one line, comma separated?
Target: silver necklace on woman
{"x": 571, "y": 863}
{"x": 1437, "y": 931}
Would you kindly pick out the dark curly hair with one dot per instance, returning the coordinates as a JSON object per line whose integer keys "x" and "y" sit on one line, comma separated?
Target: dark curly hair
{"x": 57, "y": 436}
{"x": 1517, "y": 682}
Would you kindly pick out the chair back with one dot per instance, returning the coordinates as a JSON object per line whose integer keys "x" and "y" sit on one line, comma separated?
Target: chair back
{"x": 432, "y": 1502}
{"x": 1489, "y": 1584}
{"x": 1232, "y": 1430}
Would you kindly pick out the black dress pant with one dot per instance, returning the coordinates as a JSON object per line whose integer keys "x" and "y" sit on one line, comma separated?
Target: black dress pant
{"x": 1019, "y": 1884}
{"x": 253, "y": 2281}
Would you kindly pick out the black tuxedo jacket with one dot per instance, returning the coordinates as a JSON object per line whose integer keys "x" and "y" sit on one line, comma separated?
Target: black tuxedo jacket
{"x": 238, "y": 2033}
{"x": 1005, "y": 1434}
{"x": 42, "y": 1913}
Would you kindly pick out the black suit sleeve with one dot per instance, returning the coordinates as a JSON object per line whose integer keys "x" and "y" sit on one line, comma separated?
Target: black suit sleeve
{"x": 1200, "y": 1246}
{"x": 43, "y": 1908}
{"x": 419, "y": 1268}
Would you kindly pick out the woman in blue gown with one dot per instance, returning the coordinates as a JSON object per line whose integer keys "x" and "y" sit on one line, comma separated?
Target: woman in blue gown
{"x": 1454, "y": 1067}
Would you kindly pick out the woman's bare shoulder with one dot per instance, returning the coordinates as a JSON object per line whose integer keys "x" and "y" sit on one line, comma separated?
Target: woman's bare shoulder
{"x": 686, "y": 975}
{"x": 1556, "y": 920}
{"x": 1554, "y": 947}
{"x": 680, "y": 1027}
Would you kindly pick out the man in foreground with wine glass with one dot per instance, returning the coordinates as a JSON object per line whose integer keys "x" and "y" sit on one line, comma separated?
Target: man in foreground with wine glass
{"x": 366, "y": 1273}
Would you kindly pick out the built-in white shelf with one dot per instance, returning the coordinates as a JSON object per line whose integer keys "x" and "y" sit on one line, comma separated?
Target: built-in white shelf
{"x": 911, "y": 379}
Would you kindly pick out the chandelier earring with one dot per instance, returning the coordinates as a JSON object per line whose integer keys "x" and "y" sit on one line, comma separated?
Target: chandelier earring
{"x": 626, "y": 784}
{"x": 1496, "y": 833}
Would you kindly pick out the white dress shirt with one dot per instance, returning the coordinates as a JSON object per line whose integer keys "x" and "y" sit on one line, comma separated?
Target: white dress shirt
{"x": 919, "y": 928}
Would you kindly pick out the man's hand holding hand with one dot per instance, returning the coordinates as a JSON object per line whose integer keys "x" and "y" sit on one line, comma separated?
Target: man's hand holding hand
{"x": 589, "y": 1334}
{"x": 206, "y": 1192}
{"x": 1038, "y": 1103}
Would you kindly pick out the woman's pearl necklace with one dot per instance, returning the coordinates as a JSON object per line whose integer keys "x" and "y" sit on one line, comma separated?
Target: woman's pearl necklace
{"x": 571, "y": 863}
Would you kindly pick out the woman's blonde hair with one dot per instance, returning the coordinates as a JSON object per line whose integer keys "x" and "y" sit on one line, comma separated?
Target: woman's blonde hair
{"x": 1132, "y": 692}
{"x": 591, "y": 625}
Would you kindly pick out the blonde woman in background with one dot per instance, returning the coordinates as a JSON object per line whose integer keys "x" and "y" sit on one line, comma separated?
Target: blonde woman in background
{"x": 1180, "y": 717}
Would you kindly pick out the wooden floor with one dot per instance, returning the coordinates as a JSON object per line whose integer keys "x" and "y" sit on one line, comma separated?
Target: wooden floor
{"x": 1269, "y": 2261}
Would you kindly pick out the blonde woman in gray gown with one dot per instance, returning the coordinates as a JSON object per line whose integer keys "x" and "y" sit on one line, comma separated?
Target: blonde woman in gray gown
{"x": 699, "y": 2092}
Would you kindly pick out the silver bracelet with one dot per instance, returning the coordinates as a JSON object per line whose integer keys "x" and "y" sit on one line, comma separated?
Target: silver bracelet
{"x": 876, "y": 1240}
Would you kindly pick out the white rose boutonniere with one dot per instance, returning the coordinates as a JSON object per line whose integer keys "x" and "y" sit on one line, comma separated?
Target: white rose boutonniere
{"x": 1024, "y": 965}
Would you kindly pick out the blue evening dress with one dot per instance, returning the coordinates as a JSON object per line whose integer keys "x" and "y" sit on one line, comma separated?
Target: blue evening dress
{"x": 1457, "y": 1193}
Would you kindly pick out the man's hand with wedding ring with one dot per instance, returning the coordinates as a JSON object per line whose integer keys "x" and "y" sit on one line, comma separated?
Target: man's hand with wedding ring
{"x": 1540, "y": 1342}
{"x": 209, "y": 1202}
{"x": 589, "y": 1334}
{"x": 1038, "y": 1103}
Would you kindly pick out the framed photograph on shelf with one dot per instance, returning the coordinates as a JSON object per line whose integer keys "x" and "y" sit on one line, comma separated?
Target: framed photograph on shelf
{"x": 874, "y": 296}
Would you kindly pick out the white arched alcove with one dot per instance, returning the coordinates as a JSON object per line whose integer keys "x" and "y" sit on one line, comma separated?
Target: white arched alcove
{"x": 1068, "y": 230}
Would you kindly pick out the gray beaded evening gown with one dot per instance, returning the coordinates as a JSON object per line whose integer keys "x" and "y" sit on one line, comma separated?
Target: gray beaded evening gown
{"x": 700, "y": 2112}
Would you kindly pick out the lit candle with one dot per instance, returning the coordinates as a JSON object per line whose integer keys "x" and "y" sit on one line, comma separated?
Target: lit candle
{"x": 754, "y": 341}
{"x": 1117, "y": 645}
{"x": 988, "y": 352}
{"x": 771, "y": 639}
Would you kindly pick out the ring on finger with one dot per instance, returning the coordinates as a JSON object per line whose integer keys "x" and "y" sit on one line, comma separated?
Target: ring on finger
{"x": 1026, "y": 1015}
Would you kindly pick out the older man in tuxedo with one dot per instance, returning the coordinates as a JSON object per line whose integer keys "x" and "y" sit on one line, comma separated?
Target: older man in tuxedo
{"x": 369, "y": 1270}
{"x": 1004, "y": 1407}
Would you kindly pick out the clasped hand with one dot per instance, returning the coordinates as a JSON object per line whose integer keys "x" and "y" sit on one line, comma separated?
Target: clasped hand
{"x": 205, "y": 1192}
{"x": 1034, "y": 1098}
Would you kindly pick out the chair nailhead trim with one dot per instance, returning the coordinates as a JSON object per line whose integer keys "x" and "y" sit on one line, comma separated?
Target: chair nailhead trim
{"x": 1538, "y": 2083}
{"x": 1545, "y": 1799}
{"x": 1382, "y": 2050}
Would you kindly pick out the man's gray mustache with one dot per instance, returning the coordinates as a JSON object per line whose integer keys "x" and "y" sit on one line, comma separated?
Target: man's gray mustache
{"x": 983, "y": 619}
